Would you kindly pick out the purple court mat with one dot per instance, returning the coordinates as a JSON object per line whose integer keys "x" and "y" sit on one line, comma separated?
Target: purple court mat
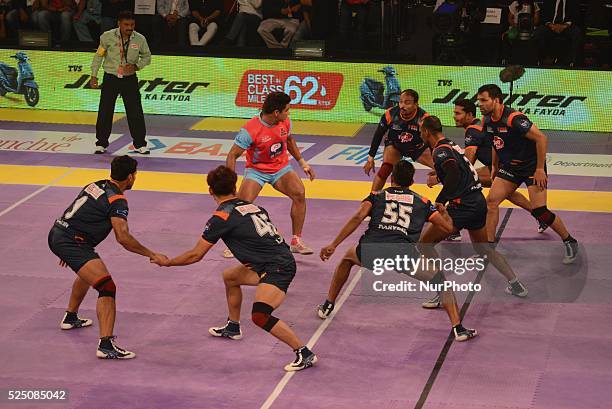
{"x": 377, "y": 352}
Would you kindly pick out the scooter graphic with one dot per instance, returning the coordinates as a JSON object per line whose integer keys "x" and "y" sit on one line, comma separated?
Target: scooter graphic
{"x": 20, "y": 80}
{"x": 374, "y": 94}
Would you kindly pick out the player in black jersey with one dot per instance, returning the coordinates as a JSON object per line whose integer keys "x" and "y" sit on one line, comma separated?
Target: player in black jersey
{"x": 519, "y": 156}
{"x": 467, "y": 206}
{"x": 266, "y": 262}
{"x": 99, "y": 208}
{"x": 397, "y": 216}
{"x": 479, "y": 146}
{"x": 400, "y": 127}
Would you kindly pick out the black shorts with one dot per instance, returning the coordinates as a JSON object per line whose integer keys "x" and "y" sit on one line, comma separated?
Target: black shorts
{"x": 469, "y": 212}
{"x": 407, "y": 149}
{"x": 518, "y": 174}
{"x": 278, "y": 277}
{"x": 71, "y": 249}
{"x": 384, "y": 249}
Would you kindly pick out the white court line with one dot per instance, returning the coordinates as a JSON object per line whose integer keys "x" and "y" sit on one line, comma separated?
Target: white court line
{"x": 313, "y": 340}
{"x": 31, "y": 195}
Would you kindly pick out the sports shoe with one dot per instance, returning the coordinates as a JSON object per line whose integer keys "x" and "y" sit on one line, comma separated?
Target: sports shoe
{"x": 298, "y": 246}
{"x": 518, "y": 289}
{"x": 571, "y": 251}
{"x": 99, "y": 150}
{"x": 463, "y": 334}
{"x": 304, "y": 358}
{"x": 107, "y": 349}
{"x": 227, "y": 253}
{"x": 324, "y": 310}
{"x": 542, "y": 227}
{"x": 454, "y": 237}
{"x": 433, "y": 303}
{"x": 229, "y": 330}
{"x": 143, "y": 150}
{"x": 70, "y": 322}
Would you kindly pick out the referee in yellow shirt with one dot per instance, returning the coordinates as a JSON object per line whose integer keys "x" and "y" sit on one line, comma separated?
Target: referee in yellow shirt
{"x": 121, "y": 53}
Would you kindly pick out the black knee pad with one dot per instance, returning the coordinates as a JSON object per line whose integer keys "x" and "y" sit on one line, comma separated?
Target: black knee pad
{"x": 543, "y": 215}
{"x": 105, "y": 287}
{"x": 262, "y": 316}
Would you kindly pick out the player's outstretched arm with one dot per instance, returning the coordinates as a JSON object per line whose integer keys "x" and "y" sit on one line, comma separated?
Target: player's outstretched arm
{"x": 381, "y": 130}
{"x": 541, "y": 148}
{"x": 194, "y": 255}
{"x": 123, "y": 236}
{"x": 350, "y": 226}
{"x": 233, "y": 155}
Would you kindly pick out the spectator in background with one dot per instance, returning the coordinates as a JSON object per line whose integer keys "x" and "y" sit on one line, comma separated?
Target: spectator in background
{"x": 111, "y": 10}
{"x": 347, "y": 8}
{"x": 204, "y": 17}
{"x": 57, "y": 14}
{"x": 304, "y": 31}
{"x": 560, "y": 22}
{"x": 170, "y": 23}
{"x": 7, "y": 11}
{"x": 245, "y": 24}
{"x": 280, "y": 14}
{"x": 88, "y": 11}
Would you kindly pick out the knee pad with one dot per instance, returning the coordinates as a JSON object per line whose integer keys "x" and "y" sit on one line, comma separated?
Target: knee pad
{"x": 543, "y": 215}
{"x": 262, "y": 316}
{"x": 105, "y": 287}
{"x": 385, "y": 170}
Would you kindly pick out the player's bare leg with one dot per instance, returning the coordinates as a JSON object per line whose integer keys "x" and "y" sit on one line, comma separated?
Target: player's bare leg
{"x": 291, "y": 185}
{"x": 537, "y": 196}
{"x": 341, "y": 275}
{"x": 500, "y": 190}
{"x": 268, "y": 297}
{"x": 233, "y": 278}
{"x": 95, "y": 273}
{"x": 71, "y": 320}
{"x": 390, "y": 157}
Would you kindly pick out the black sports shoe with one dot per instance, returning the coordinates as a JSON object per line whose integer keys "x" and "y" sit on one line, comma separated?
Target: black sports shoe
{"x": 517, "y": 288}
{"x": 463, "y": 334}
{"x": 230, "y": 330}
{"x": 571, "y": 251}
{"x": 324, "y": 310}
{"x": 304, "y": 358}
{"x": 71, "y": 321}
{"x": 108, "y": 350}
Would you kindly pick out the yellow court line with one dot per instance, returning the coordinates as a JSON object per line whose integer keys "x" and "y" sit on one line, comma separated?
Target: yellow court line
{"x": 52, "y": 117}
{"x": 576, "y": 200}
{"x": 299, "y": 127}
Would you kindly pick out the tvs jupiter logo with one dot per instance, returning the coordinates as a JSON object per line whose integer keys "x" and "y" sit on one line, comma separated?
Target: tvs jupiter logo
{"x": 498, "y": 142}
{"x": 308, "y": 90}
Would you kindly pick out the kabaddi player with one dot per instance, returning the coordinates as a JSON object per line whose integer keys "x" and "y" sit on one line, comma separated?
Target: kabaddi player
{"x": 479, "y": 146}
{"x": 397, "y": 216}
{"x": 99, "y": 208}
{"x": 400, "y": 127}
{"x": 266, "y": 262}
{"x": 519, "y": 156}
{"x": 467, "y": 206}
{"x": 266, "y": 139}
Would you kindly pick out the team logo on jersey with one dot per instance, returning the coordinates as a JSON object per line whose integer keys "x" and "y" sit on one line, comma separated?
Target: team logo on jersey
{"x": 498, "y": 142}
{"x": 283, "y": 132}
{"x": 524, "y": 123}
{"x": 405, "y": 137}
{"x": 248, "y": 208}
{"x": 276, "y": 149}
{"x": 94, "y": 191}
{"x": 502, "y": 129}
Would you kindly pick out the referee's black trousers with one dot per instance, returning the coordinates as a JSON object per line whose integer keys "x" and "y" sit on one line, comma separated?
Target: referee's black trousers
{"x": 112, "y": 86}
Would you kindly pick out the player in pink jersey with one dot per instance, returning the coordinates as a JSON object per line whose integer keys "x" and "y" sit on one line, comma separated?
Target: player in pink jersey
{"x": 267, "y": 139}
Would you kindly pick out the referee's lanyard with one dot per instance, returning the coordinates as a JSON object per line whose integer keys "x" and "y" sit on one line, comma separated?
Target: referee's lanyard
{"x": 123, "y": 55}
